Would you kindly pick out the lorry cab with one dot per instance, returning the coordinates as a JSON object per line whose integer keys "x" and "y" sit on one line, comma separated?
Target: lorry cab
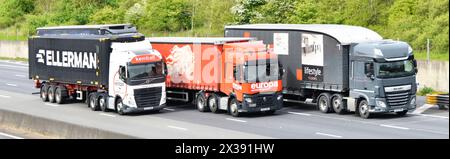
{"x": 137, "y": 78}
{"x": 256, "y": 81}
{"x": 382, "y": 78}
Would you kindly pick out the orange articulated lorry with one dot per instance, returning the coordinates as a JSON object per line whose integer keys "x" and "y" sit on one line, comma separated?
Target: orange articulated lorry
{"x": 237, "y": 75}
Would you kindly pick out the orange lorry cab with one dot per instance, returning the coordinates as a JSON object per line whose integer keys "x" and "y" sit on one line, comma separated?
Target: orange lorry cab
{"x": 238, "y": 75}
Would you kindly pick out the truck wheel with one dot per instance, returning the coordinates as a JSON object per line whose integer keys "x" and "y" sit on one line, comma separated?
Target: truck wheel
{"x": 51, "y": 94}
{"x": 324, "y": 103}
{"x": 403, "y": 113}
{"x": 59, "y": 94}
{"x": 233, "y": 108}
{"x": 119, "y": 107}
{"x": 102, "y": 102}
{"x": 213, "y": 103}
{"x": 93, "y": 104}
{"x": 44, "y": 92}
{"x": 201, "y": 103}
{"x": 363, "y": 109}
{"x": 338, "y": 104}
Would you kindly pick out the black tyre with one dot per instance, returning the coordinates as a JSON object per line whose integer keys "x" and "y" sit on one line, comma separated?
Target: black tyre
{"x": 213, "y": 103}
{"x": 402, "y": 113}
{"x": 201, "y": 103}
{"x": 102, "y": 102}
{"x": 233, "y": 108}
{"x": 323, "y": 103}
{"x": 51, "y": 94}
{"x": 363, "y": 109}
{"x": 44, "y": 92}
{"x": 93, "y": 104}
{"x": 338, "y": 104}
{"x": 60, "y": 94}
{"x": 119, "y": 107}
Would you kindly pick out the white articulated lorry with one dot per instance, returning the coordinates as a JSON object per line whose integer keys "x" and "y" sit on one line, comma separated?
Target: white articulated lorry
{"x": 110, "y": 67}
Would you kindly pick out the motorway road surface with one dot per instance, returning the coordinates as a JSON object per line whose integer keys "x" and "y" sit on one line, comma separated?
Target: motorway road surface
{"x": 184, "y": 121}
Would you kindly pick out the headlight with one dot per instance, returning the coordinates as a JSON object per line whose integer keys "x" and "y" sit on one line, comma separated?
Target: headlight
{"x": 248, "y": 100}
{"x": 279, "y": 97}
{"x": 381, "y": 104}
{"x": 413, "y": 101}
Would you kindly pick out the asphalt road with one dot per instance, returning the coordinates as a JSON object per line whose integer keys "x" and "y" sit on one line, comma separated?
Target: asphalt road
{"x": 184, "y": 121}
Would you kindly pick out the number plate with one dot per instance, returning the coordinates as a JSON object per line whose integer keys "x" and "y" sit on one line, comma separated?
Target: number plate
{"x": 398, "y": 110}
{"x": 148, "y": 108}
{"x": 265, "y": 109}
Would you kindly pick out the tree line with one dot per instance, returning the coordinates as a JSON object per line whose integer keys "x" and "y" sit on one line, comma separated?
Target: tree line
{"x": 407, "y": 20}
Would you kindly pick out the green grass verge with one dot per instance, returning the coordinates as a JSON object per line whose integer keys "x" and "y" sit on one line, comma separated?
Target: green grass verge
{"x": 433, "y": 56}
{"x": 14, "y": 59}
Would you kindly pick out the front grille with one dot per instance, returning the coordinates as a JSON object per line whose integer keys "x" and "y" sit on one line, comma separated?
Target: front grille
{"x": 397, "y": 99}
{"x": 270, "y": 101}
{"x": 148, "y": 97}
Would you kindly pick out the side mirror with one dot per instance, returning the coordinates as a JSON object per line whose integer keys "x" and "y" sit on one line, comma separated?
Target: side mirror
{"x": 415, "y": 66}
{"x": 122, "y": 72}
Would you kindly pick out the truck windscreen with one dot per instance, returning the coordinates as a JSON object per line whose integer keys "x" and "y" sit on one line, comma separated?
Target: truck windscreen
{"x": 395, "y": 69}
{"x": 261, "y": 73}
{"x": 145, "y": 71}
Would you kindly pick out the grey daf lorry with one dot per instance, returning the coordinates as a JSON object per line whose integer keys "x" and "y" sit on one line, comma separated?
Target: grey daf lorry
{"x": 340, "y": 68}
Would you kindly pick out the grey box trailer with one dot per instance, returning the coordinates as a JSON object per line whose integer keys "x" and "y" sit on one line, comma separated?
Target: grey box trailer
{"x": 325, "y": 62}
{"x": 93, "y": 63}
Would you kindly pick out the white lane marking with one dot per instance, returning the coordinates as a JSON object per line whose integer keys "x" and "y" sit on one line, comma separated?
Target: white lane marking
{"x": 329, "y": 135}
{"x": 15, "y": 62}
{"x": 20, "y": 75}
{"x": 304, "y": 114}
{"x": 52, "y": 105}
{"x": 169, "y": 109}
{"x": 2, "y": 96}
{"x": 13, "y": 66}
{"x": 422, "y": 109}
{"x": 109, "y": 115}
{"x": 12, "y": 85}
{"x": 433, "y": 116}
{"x": 236, "y": 120}
{"x": 10, "y": 136}
{"x": 178, "y": 128}
{"x": 395, "y": 127}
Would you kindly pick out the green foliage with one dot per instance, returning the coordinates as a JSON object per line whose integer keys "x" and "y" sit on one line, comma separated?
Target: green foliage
{"x": 425, "y": 90}
{"x": 407, "y": 20}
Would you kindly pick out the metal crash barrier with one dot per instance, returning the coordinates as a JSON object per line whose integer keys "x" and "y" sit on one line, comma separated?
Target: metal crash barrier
{"x": 438, "y": 99}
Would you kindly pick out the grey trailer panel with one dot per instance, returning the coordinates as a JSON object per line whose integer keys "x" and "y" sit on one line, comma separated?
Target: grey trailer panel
{"x": 335, "y": 60}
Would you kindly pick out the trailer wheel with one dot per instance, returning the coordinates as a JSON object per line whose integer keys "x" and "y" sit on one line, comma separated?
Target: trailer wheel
{"x": 59, "y": 94}
{"x": 338, "y": 104}
{"x": 201, "y": 103}
{"x": 44, "y": 92}
{"x": 213, "y": 103}
{"x": 119, "y": 107}
{"x": 363, "y": 109}
{"x": 324, "y": 103}
{"x": 93, "y": 104}
{"x": 102, "y": 102}
{"x": 51, "y": 93}
{"x": 233, "y": 108}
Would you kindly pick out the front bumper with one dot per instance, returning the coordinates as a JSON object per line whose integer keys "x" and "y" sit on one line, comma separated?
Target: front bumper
{"x": 389, "y": 109}
{"x": 262, "y": 103}
{"x": 128, "y": 109}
